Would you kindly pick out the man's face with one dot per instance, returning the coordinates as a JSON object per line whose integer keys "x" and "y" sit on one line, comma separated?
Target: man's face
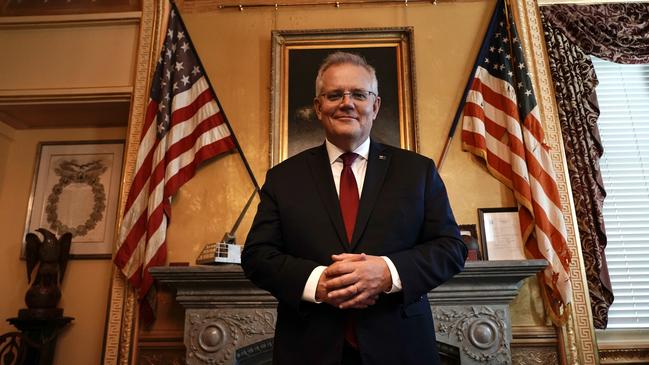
{"x": 347, "y": 121}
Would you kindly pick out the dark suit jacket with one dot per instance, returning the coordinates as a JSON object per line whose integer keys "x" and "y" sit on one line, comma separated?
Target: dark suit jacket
{"x": 404, "y": 214}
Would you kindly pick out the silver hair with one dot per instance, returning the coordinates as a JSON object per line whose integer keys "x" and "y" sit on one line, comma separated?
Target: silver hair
{"x": 339, "y": 58}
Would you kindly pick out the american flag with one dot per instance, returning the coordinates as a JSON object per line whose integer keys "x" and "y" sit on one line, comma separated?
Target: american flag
{"x": 501, "y": 125}
{"x": 183, "y": 126}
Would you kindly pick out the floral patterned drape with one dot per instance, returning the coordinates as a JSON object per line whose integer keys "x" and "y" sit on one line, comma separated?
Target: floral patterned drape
{"x": 574, "y": 82}
{"x": 615, "y": 32}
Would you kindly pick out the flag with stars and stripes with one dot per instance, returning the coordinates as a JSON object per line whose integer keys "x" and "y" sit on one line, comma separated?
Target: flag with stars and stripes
{"x": 501, "y": 125}
{"x": 183, "y": 126}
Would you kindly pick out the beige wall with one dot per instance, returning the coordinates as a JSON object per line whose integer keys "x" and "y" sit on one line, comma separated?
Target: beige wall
{"x": 235, "y": 47}
{"x": 447, "y": 38}
{"x": 85, "y": 286}
{"x": 74, "y": 57}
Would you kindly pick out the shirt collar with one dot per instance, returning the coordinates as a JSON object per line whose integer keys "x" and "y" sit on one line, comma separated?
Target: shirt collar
{"x": 363, "y": 150}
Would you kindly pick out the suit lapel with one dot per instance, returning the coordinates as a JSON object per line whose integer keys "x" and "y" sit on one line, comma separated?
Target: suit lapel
{"x": 377, "y": 167}
{"x": 324, "y": 183}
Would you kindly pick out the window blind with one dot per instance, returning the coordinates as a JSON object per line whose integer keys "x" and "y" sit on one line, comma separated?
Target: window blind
{"x": 623, "y": 95}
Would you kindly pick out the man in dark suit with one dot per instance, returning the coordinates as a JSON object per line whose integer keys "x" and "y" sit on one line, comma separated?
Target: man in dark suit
{"x": 351, "y": 235}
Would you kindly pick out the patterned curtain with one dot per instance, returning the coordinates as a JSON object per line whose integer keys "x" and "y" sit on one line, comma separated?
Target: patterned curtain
{"x": 574, "y": 83}
{"x": 615, "y": 32}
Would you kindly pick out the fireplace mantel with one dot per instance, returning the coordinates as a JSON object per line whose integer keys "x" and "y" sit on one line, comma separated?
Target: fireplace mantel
{"x": 225, "y": 312}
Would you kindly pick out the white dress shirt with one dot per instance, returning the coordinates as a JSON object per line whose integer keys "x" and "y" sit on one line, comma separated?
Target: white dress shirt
{"x": 359, "y": 167}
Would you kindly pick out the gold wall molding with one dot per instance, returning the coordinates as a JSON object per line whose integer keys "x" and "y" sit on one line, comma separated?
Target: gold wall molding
{"x": 535, "y": 345}
{"x": 120, "y": 333}
{"x": 624, "y": 356}
{"x": 585, "y": 2}
{"x": 534, "y": 356}
{"x": 623, "y": 346}
{"x": 162, "y": 356}
{"x": 534, "y": 335}
{"x": 65, "y": 95}
{"x": 161, "y": 348}
{"x": 578, "y": 334}
{"x": 48, "y": 21}
{"x": 196, "y": 6}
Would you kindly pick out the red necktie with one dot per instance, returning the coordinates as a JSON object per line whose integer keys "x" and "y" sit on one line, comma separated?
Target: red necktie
{"x": 348, "y": 194}
{"x": 349, "y": 210}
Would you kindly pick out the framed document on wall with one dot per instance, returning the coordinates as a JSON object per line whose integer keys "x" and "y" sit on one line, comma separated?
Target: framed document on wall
{"x": 501, "y": 234}
{"x": 76, "y": 190}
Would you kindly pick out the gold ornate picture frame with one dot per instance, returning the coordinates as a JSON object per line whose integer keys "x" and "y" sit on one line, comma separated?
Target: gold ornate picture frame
{"x": 296, "y": 57}
{"x": 76, "y": 189}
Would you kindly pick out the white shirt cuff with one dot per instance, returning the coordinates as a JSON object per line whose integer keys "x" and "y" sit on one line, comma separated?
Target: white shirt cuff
{"x": 312, "y": 284}
{"x": 396, "y": 280}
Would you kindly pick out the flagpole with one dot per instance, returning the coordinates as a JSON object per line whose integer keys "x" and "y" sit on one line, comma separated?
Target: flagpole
{"x": 229, "y": 237}
{"x": 554, "y": 310}
{"x": 227, "y": 122}
{"x": 458, "y": 112}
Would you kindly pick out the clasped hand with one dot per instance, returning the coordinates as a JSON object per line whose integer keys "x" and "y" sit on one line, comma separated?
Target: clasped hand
{"x": 353, "y": 281}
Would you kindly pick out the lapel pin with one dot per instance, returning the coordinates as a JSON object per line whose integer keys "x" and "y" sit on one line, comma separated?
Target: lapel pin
{"x": 382, "y": 157}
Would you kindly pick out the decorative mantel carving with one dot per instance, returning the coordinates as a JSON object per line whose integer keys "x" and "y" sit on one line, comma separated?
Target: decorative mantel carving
{"x": 224, "y": 311}
{"x": 214, "y": 336}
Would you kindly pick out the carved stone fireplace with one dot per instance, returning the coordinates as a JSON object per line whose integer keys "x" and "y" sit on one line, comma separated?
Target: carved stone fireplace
{"x": 225, "y": 312}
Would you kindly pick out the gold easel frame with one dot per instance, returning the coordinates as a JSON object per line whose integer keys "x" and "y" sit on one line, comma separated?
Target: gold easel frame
{"x": 577, "y": 345}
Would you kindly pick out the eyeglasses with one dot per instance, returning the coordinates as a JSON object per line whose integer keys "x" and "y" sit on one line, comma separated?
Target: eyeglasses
{"x": 356, "y": 95}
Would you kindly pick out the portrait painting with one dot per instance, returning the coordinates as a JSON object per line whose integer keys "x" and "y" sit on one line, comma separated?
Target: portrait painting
{"x": 297, "y": 57}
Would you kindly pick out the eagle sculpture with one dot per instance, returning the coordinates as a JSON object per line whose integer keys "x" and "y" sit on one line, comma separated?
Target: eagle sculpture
{"x": 49, "y": 257}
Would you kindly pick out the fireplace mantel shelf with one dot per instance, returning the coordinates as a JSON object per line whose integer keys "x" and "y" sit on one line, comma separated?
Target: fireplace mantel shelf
{"x": 480, "y": 282}
{"x": 221, "y": 303}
